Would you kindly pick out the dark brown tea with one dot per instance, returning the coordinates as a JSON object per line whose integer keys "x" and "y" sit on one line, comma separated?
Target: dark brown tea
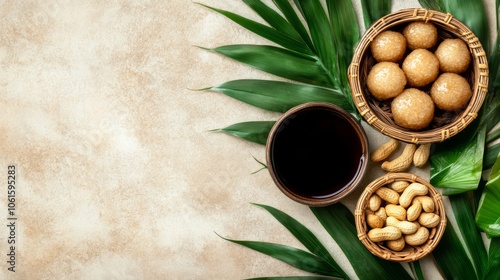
{"x": 316, "y": 153}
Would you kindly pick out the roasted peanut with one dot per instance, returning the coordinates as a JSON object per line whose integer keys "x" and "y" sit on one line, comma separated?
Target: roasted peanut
{"x": 429, "y": 220}
{"x": 418, "y": 238}
{"x": 413, "y": 212}
{"x": 396, "y": 245}
{"x": 403, "y": 162}
{"x": 381, "y": 213}
{"x": 388, "y": 195}
{"x": 404, "y": 226}
{"x": 374, "y": 221}
{"x": 374, "y": 202}
{"x": 427, "y": 203}
{"x": 385, "y": 150}
{"x": 384, "y": 234}
{"x": 414, "y": 189}
{"x": 421, "y": 155}
{"x": 396, "y": 211}
{"x": 399, "y": 186}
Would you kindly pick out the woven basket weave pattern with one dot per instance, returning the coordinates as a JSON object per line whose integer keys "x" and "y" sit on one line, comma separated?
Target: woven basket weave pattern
{"x": 378, "y": 114}
{"x": 410, "y": 253}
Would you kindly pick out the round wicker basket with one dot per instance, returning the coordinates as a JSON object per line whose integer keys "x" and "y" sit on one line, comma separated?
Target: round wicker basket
{"x": 409, "y": 253}
{"x": 445, "y": 123}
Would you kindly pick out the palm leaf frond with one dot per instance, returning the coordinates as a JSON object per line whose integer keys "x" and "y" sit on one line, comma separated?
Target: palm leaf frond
{"x": 279, "y": 96}
{"x": 254, "y": 131}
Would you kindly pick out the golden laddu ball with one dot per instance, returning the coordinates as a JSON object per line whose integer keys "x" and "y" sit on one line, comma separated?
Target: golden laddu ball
{"x": 386, "y": 80}
{"x": 413, "y": 109}
{"x": 453, "y": 56}
{"x": 451, "y": 91}
{"x": 420, "y": 35}
{"x": 388, "y": 46}
{"x": 421, "y": 67}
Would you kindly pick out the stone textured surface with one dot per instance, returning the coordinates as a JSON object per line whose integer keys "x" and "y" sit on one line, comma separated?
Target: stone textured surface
{"x": 117, "y": 174}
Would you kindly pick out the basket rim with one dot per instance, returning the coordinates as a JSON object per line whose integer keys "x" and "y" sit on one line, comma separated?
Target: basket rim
{"x": 479, "y": 67}
{"x": 385, "y": 253}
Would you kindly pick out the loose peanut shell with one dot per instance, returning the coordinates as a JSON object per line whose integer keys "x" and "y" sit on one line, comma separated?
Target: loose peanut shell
{"x": 403, "y": 162}
{"x": 385, "y": 150}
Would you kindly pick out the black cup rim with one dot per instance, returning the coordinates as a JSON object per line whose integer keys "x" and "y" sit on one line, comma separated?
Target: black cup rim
{"x": 325, "y": 201}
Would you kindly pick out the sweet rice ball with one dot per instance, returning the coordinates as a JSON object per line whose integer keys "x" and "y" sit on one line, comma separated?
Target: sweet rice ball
{"x": 388, "y": 46}
{"x": 421, "y": 67}
{"x": 420, "y": 35}
{"x": 385, "y": 80}
{"x": 451, "y": 91}
{"x": 413, "y": 109}
{"x": 453, "y": 56}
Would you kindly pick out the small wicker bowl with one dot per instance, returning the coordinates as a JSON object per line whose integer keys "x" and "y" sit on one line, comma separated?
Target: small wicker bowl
{"x": 409, "y": 253}
{"x": 445, "y": 123}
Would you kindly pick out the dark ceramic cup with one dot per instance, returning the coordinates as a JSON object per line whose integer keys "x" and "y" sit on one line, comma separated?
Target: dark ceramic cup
{"x": 317, "y": 153}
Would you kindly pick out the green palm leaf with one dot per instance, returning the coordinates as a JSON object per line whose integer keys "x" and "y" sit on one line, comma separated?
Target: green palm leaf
{"x": 297, "y": 278}
{"x": 305, "y": 236}
{"x": 256, "y": 131}
{"x": 283, "y": 35}
{"x": 276, "y": 21}
{"x": 280, "y": 62}
{"x": 295, "y": 257}
{"x": 339, "y": 222}
{"x": 345, "y": 28}
{"x": 488, "y": 213}
{"x": 321, "y": 33}
{"x": 452, "y": 258}
{"x": 290, "y": 15}
{"x": 462, "y": 210}
{"x": 493, "y": 267}
{"x": 456, "y": 164}
{"x": 279, "y": 96}
{"x": 373, "y": 10}
{"x": 431, "y": 4}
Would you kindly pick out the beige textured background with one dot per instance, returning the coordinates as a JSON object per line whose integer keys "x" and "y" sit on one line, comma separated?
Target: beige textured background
{"x": 117, "y": 176}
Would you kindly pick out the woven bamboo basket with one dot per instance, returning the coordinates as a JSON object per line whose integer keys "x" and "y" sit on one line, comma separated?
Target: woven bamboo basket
{"x": 409, "y": 253}
{"x": 445, "y": 123}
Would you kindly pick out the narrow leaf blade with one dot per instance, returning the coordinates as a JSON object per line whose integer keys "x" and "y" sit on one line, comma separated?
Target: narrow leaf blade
{"x": 276, "y": 21}
{"x": 280, "y": 96}
{"x": 305, "y": 236}
{"x": 339, "y": 223}
{"x": 488, "y": 213}
{"x": 462, "y": 210}
{"x": 297, "y": 278}
{"x": 295, "y": 257}
{"x": 320, "y": 31}
{"x": 374, "y": 9}
{"x": 452, "y": 258}
{"x": 279, "y": 37}
{"x": 292, "y": 17}
{"x": 255, "y": 131}
{"x": 493, "y": 268}
{"x": 279, "y": 62}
